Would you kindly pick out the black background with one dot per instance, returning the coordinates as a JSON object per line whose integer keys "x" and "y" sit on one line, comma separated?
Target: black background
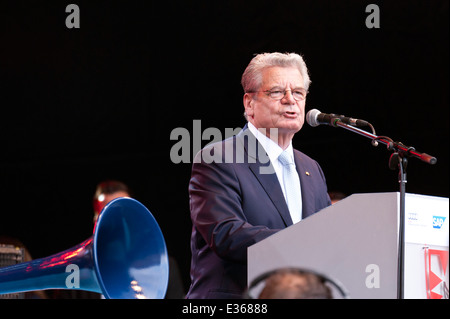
{"x": 82, "y": 105}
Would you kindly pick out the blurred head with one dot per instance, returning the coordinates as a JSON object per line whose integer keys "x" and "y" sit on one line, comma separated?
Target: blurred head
{"x": 336, "y": 196}
{"x": 295, "y": 284}
{"x": 105, "y": 192}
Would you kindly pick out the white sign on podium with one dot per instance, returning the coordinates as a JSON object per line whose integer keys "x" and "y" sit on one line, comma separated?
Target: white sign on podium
{"x": 355, "y": 242}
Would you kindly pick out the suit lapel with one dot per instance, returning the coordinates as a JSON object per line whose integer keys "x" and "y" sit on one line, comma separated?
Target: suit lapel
{"x": 305, "y": 180}
{"x": 268, "y": 181}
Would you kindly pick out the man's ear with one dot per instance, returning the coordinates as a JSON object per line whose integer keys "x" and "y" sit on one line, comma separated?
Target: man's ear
{"x": 248, "y": 104}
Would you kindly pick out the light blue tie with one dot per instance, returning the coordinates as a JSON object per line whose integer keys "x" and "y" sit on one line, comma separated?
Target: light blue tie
{"x": 293, "y": 194}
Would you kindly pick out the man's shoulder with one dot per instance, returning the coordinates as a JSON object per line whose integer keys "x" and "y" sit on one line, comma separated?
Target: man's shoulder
{"x": 301, "y": 155}
{"x": 237, "y": 149}
{"x": 305, "y": 159}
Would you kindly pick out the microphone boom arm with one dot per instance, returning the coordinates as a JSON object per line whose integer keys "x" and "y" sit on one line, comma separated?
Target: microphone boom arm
{"x": 402, "y": 149}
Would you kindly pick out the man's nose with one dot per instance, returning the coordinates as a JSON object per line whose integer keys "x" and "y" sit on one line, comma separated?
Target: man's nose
{"x": 288, "y": 98}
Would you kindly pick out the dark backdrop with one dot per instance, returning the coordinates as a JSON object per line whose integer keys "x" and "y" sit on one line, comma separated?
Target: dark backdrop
{"x": 82, "y": 105}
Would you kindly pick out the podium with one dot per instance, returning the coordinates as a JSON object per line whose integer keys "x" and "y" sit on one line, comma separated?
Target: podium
{"x": 355, "y": 241}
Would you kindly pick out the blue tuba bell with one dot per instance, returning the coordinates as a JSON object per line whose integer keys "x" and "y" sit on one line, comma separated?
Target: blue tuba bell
{"x": 126, "y": 258}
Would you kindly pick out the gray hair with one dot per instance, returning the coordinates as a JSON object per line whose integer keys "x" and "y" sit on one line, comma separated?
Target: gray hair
{"x": 252, "y": 78}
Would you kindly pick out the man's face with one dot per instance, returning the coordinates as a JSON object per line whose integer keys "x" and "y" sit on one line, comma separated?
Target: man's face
{"x": 286, "y": 114}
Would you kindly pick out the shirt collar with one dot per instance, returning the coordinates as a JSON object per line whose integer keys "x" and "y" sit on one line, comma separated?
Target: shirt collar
{"x": 272, "y": 149}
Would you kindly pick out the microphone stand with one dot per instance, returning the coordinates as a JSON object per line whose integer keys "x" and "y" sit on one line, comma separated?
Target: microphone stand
{"x": 398, "y": 159}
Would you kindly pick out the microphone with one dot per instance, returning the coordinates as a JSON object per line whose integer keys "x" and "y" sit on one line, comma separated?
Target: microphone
{"x": 315, "y": 118}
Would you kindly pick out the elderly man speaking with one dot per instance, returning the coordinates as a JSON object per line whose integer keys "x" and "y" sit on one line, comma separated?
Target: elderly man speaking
{"x": 236, "y": 203}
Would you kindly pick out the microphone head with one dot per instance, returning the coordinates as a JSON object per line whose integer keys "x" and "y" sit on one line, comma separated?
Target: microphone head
{"x": 311, "y": 117}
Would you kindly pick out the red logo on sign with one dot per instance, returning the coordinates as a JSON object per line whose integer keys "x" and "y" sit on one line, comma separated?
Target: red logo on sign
{"x": 436, "y": 262}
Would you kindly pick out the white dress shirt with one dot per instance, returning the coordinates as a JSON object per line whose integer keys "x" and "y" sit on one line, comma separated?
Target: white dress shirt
{"x": 274, "y": 150}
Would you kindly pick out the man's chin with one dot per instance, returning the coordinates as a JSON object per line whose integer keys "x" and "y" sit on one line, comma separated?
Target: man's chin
{"x": 290, "y": 128}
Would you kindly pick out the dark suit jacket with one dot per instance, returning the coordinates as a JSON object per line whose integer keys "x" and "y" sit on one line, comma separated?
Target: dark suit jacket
{"x": 235, "y": 203}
